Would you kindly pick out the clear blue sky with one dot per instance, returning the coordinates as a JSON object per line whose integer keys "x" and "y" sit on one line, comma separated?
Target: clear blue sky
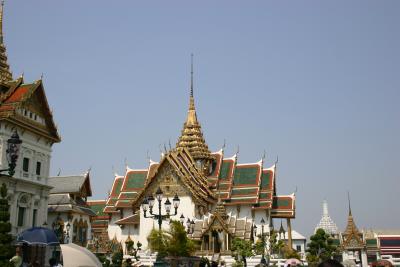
{"x": 314, "y": 82}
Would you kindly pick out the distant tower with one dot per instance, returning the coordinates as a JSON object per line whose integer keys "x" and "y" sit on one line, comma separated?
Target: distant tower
{"x": 326, "y": 223}
{"x": 5, "y": 73}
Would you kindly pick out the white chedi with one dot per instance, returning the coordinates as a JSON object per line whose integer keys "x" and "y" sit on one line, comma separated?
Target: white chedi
{"x": 326, "y": 223}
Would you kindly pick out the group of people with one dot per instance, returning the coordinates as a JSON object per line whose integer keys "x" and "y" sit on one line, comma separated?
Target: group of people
{"x": 18, "y": 261}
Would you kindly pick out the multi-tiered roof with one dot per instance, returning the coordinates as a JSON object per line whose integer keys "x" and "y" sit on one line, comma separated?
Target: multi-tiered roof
{"x": 192, "y": 137}
{"x": 234, "y": 184}
{"x": 24, "y": 104}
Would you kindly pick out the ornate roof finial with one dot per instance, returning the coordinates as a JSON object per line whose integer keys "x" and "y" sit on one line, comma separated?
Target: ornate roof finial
{"x": 1, "y": 21}
{"x": 348, "y": 198}
{"x": 191, "y": 76}
{"x": 192, "y": 136}
{"x": 5, "y": 74}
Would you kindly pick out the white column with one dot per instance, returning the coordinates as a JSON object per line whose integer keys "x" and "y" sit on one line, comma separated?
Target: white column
{"x": 364, "y": 259}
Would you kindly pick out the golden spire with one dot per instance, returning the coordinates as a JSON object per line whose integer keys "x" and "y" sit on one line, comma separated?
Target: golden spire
{"x": 5, "y": 74}
{"x": 192, "y": 136}
{"x": 351, "y": 226}
{"x": 352, "y": 236}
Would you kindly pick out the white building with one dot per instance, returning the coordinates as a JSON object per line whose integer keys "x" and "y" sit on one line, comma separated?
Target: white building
{"x": 222, "y": 199}
{"x": 24, "y": 108}
{"x": 298, "y": 242}
{"x": 68, "y": 213}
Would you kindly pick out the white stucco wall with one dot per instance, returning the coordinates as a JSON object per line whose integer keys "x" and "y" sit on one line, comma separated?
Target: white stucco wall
{"x": 74, "y": 217}
{"x": 33, "y": 186}
{"x": 186, "y": 207}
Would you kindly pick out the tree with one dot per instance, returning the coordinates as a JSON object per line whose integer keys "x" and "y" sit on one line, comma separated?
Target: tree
{"x": 117, "y": 258}
{"x": 103, "y": 259}
{"x": 178, "y": 242}
{"x": 173, "y": 242}
{"x": 289, "y": 253}
{"x": 241, "y": 250}
{"x": 320, "y": 248}
{"x": 132, "y": 250}
{"x": 158, "y": 242}
{"x": 276, "y": 245}
{"x": 6, "y": 249}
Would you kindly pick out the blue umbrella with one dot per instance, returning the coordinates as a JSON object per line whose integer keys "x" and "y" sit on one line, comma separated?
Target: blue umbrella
{"x": 38, "y": 236}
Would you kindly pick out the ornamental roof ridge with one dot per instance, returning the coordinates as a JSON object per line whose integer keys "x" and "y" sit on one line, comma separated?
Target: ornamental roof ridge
{"x": 234, "y": 157}
{"x": 252, "y": 163}
{"x": 128, "y": 169}
{"x": 221, "y": 151}
{"x": 270, "y": 168}
{"x": 151, "y": 162}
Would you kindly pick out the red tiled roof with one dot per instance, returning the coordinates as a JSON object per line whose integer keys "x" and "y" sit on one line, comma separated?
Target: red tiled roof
{"x": 19, "y": 93}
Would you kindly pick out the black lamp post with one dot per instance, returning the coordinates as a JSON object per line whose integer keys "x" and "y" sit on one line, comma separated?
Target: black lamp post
{"x": 190, "y": 226}
{"x": 182, "y": 219}
{"x": 68, "y": 227}
{"x": 57, "y": 228}
{"x": 13, "y": 146}
{"x": 148, "y": 204}
{"x": 263, "y": 260}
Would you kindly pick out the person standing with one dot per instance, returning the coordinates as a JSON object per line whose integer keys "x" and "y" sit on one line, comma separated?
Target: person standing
{"x": 17, "y": 259}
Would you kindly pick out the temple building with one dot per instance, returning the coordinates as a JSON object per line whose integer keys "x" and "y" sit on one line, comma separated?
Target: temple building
{"x": 69, "y": 215}
{"x": 353, "y": 244}
{"x": 220, "y": 198}
{"x": 24, "y": 109}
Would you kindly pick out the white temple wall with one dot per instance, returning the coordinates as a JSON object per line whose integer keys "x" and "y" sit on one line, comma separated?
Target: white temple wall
{"x": 74, "y": 217}
{"x": 186, "y": 207}
{"x": 113, "y": 229}
{"x": 28, "y": 192}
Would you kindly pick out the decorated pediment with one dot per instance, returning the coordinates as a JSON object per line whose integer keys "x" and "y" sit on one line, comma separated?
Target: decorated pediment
{"x": 27, "y": 106}
{"x": 170, "y": 183}
{"x": 177, "y": 173}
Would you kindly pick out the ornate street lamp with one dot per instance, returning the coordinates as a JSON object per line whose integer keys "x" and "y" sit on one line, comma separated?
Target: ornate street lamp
{"x": 255, "y": 231}
{"x": 57, "y": 228}
{"x": 263, "y": 260}
{"x": 13, "y": 147}
{"x": 182, "y": 219}
{"x": 190, "y": 226}
{"x": 68, "y": 227}
{"x": 148, "y": 204}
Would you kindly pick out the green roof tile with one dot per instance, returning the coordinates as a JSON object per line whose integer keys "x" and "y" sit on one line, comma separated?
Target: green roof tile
{"x": 136, "y": 180}
{"x": 245, "y": 175}
{"x": 266, "y": 179}
{"x": 225, "y": 168}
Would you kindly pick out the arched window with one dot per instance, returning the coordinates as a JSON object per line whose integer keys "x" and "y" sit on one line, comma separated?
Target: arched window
{"x": 75, "y": 231}
{"x": 84, "y": 233}
{"x": 23, "y": 203}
